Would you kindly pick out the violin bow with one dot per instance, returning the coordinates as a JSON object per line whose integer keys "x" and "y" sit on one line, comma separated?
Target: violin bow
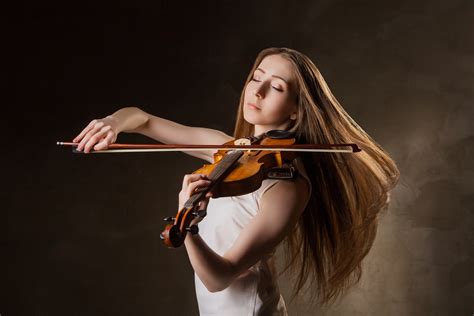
{"x": 134, "y": 148}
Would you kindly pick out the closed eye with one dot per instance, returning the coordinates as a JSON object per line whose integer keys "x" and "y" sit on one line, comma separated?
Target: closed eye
{"x": 253, "y": 79}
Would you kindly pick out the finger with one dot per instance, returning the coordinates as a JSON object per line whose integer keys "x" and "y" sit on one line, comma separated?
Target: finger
{"x": 89, "y": 134}
{"x": 197, "y": 187}
{"x": 203, "y": 204}
{"x": 84, "y": 131}
{"x": 96, "y": 138}
{"x": 188, "y": 178}
{"x": 199, "y": 184}
{"x": 106, "y": 141}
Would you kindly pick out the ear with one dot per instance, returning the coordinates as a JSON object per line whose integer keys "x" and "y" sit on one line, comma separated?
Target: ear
{"x": 293, "y": 116}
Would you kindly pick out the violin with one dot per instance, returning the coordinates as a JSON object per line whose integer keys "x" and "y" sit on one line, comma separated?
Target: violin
{"x": 234, "y": 172}
{"x": 239, "y": 168}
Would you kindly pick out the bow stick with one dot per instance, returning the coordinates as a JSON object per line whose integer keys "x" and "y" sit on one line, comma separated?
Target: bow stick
{"x": 133, "y": 148}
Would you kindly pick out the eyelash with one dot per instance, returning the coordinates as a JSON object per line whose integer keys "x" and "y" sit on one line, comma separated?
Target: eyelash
{"x": 253, "y": 79}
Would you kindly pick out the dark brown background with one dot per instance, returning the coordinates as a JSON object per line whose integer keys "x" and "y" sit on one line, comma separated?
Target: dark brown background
{"x": 82, "y": 232}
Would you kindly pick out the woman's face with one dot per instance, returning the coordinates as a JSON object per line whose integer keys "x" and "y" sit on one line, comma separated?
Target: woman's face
{"x": 270, "y": 97}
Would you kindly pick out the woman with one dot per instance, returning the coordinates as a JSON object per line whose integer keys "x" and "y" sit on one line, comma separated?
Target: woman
{"x": 327, "y": 214}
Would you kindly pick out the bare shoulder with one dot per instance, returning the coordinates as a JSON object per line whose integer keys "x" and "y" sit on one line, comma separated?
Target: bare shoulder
{"x": 289, "y": 195}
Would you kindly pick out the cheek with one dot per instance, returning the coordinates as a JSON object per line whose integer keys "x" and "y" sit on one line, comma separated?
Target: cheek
{"x": 248, "y": 87}
{"x": 280, "y": 107}
{"x": 247, "y": 90}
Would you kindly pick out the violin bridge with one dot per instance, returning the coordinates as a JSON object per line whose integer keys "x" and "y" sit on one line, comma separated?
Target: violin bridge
{"x": 242, "y": 142}
{"x": 284, "y": 172}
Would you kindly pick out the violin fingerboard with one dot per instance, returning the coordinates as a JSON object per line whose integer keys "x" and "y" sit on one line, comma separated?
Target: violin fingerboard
{"x": 216, "y": 175}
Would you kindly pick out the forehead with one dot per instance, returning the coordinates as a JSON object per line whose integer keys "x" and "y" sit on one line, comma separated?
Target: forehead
{"x": 279, "y": 66}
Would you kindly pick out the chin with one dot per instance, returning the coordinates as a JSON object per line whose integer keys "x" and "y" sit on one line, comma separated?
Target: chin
{"x": 252, "y": 118}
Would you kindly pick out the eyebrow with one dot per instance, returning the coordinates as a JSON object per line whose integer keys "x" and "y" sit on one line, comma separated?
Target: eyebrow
{"x": 274, "y": 75}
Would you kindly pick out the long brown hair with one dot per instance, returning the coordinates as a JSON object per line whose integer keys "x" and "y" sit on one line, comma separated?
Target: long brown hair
{"x": 338, "y": 226}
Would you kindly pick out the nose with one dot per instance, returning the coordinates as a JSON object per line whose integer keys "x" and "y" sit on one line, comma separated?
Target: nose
{"x": 259, "y": 91}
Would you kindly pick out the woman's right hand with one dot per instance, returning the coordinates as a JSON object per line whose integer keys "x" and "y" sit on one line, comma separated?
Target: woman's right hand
{"x": 99, "y": 134}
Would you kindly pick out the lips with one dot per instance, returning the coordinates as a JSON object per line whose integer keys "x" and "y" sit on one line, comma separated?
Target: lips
{"x": 253, "y": 105}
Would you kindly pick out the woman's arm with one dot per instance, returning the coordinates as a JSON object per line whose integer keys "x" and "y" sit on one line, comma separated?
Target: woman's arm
{"x": 280, "y": 209}
{"x": 170, "y": 132}
{"x": 100, "y": 133}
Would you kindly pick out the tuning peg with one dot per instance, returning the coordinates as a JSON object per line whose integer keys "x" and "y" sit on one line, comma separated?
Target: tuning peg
{"x": 201, "y": 213}
{"x": 169, "y": 219}
{"x": 193, "y": 229}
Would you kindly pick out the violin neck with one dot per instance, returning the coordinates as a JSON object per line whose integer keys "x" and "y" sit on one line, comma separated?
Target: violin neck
{"x": 218, "y": 173}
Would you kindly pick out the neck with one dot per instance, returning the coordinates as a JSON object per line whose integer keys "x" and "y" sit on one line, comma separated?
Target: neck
{"x": 260, "y": 129}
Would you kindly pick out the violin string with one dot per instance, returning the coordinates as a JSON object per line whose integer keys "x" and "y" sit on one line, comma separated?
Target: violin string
{"x": 213, "y": 176}
{"x": 223, "y": 166}
{"x": 217, "y": 173}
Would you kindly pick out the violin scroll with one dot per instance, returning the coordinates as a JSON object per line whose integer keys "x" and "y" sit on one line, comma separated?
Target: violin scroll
{"x": 174, "y": 234}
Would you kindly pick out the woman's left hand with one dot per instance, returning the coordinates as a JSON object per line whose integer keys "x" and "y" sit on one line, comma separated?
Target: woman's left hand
{"x": 191, "y": 183}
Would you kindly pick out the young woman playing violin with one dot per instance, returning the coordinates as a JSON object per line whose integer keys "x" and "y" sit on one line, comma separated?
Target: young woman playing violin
{"x": 326, "y": 214}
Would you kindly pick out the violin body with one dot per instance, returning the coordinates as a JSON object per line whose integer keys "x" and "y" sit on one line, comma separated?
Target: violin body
{"x": 247, "y": 174}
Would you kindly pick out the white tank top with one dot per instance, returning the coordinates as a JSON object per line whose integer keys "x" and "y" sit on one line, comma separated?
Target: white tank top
{"x": 255, "y": 292}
